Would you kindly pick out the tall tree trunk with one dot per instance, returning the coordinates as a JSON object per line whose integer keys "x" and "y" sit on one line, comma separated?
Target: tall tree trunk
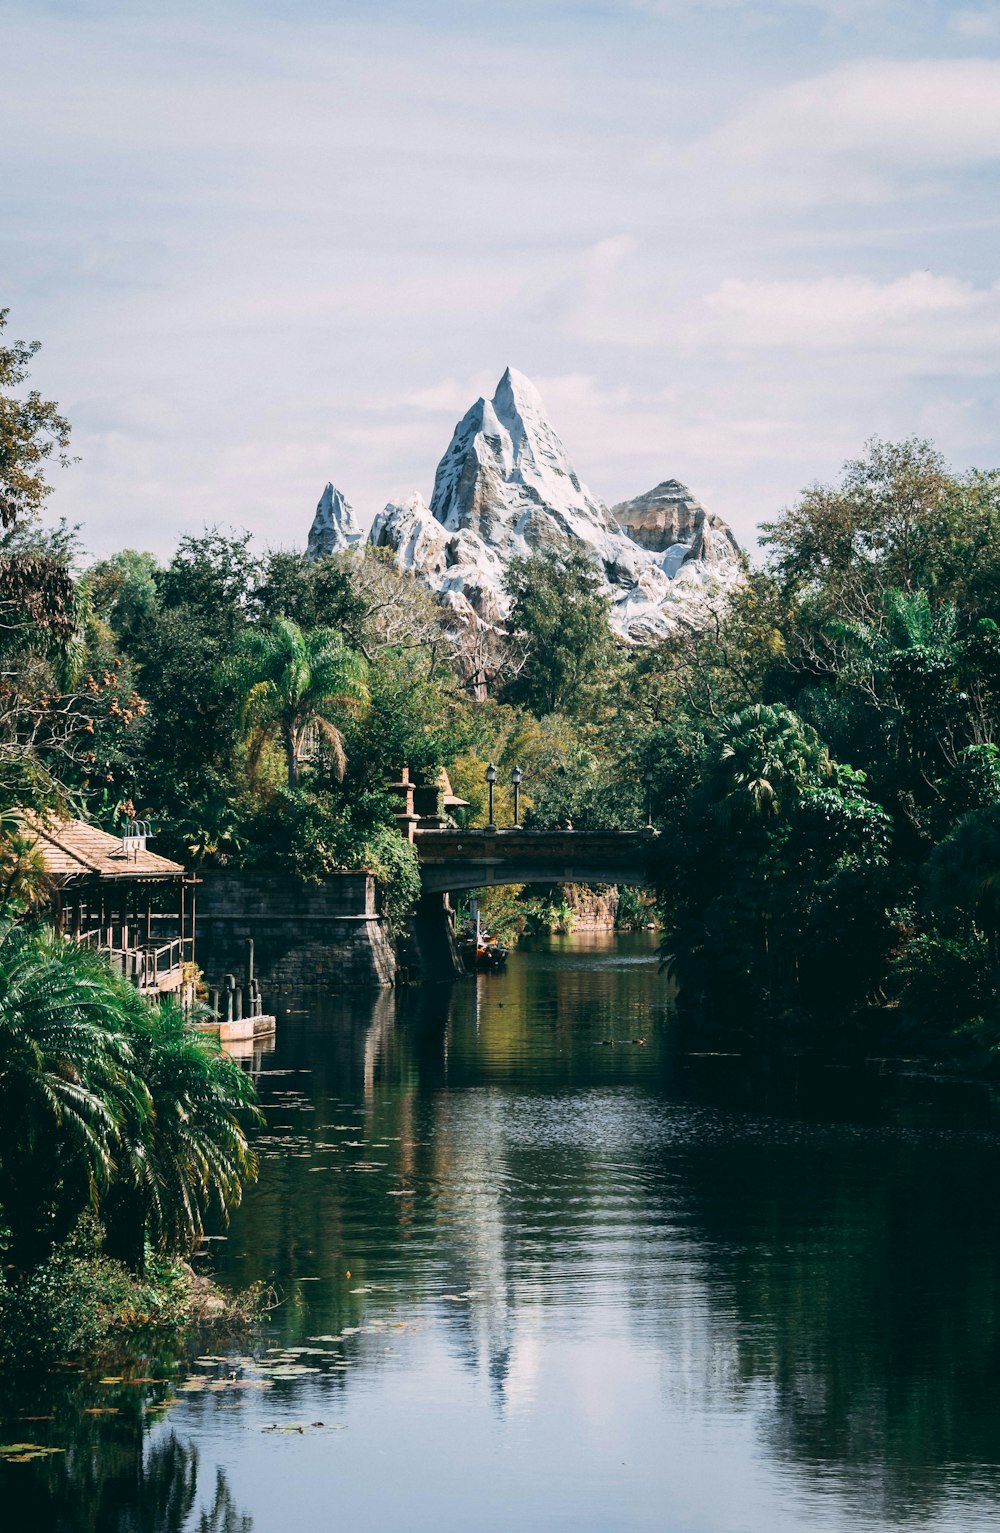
{"x": 293, "y": 763}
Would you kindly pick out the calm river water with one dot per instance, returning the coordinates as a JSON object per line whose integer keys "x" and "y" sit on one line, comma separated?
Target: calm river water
{"x": 541, "y": 1268}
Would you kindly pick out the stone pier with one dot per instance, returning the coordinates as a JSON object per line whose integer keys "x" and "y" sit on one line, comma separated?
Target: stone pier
{"x": 329, "y": 934}
{"x": 429, "y": 950}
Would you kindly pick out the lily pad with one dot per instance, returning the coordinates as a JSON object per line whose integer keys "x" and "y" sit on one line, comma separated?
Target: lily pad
{"x": 20, "y": 1451}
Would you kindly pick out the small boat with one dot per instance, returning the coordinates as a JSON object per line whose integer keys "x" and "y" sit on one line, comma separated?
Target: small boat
{"x": 484, "y": 953}
{"x": 478, "y": 949}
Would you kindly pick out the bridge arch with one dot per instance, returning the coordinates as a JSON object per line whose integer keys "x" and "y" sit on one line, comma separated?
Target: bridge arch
{"x": 455, "y": 860}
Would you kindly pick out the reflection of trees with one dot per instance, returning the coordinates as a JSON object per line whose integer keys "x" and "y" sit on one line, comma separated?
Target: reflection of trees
{"x": 847, "y": 1276}
{"x": 106, "y": 1483}
{"x": 861, "y": 1283}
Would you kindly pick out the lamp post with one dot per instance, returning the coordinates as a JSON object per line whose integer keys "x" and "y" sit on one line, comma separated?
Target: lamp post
{"x": 649, "y": 800}
{"x": 515, "y": 778}
{"x": 491, "y": 777}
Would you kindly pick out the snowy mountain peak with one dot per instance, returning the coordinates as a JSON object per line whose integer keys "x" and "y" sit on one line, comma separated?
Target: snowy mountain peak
{"x": 516, "y": 396}
{"x": 507, "y": 477}
{"x": 506, "y": 487}
{"x": 334, "y": 526}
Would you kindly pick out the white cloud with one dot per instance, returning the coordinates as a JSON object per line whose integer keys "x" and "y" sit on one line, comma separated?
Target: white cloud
{"x": 858, "y": 133}
{"x": 840, "y": 10}
{"x": 264, "y": 255}
{"x": 918, "y": 319}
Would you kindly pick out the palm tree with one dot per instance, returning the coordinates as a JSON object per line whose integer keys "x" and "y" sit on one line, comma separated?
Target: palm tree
{"x": 189, "y": 1156}
{"x": 291, "y": 684}
{"x": 67, "y": 1084}
{"x": 964, "y": 874}
{"x": 107, "y": 1100}
{"x": 909, "y": 664}
{"x": 766, "y": 756}
{"x": 24, "y": 879}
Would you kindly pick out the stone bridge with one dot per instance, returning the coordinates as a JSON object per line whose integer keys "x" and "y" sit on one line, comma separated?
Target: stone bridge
{"x": 453, "y": 860}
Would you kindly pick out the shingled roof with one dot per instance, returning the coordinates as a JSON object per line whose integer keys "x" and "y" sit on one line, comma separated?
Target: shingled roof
{"x": 72, "y": 848}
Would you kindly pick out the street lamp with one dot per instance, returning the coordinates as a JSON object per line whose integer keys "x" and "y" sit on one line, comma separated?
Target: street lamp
{"x": 649, "y": 800}
{"x": 515, "y": 778}
{"x": 491, "y": 777}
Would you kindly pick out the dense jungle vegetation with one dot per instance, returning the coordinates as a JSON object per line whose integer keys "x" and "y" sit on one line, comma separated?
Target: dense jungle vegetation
{"x": 823, "y": 747}
{"x": 123, "y": 1129}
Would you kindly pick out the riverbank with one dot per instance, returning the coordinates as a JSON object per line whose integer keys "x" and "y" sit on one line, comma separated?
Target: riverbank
{"x": 79, "y": 1304}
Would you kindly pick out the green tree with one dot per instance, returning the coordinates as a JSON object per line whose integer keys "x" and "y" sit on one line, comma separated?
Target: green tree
{"x": 898, "y": 518}
{"x": 315, "y": 593}
{"x": 776, "y": 865}
{"x": 110, "y": 1103}
{"x": 31, "y": 432}
{"x": 293, "y": 684}
{"x": 188, "y": 1155}
{"x": 559, "y": 614}
{"x": 67, "y": 1084}
{"x": 964, "y": 875}
{"x": 870, "y": 532}
{"x": 764, "y": 758}
{"x": 181, "y": 637}
{"x": 124, "y": 593}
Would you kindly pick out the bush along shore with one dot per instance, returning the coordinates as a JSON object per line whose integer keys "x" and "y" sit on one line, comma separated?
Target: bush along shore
{"x": 124, "y": 1129}
{"x": 79, "y": 1306}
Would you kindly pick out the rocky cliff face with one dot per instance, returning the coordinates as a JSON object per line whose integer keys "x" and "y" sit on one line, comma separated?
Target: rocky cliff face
{"x": 506, "y": 487}
{"x": 334, "y": 526}
{"x": 669, "y": 520}
{"x": 506, "y": 477}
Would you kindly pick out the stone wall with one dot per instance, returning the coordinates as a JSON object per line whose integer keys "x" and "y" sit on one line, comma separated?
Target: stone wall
{"x": 594, "y": 910}
{"x": 327, "y": 934}
{"x": 428, "y": 948}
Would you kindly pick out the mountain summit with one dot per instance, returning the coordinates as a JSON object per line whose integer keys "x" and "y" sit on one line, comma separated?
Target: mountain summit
{"x": 506, "y": 487}
{"x": 334, "y": 526}
{"x": 507, "y": 477}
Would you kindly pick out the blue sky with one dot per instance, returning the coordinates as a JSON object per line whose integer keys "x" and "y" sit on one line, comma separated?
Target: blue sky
{"x": 266, "y": 245}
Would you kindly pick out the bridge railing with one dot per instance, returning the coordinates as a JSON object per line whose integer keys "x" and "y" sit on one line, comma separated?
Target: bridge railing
{"x": 517, "y": 839}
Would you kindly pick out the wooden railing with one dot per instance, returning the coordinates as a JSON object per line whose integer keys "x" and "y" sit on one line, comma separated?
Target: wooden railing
{"x": 145, "y": 964}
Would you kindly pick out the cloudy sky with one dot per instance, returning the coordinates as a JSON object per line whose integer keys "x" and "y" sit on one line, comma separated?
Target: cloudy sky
{"x": 267, "y": 243}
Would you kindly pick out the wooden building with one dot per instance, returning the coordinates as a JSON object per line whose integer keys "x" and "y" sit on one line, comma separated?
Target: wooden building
{"x": 113, "y": 894}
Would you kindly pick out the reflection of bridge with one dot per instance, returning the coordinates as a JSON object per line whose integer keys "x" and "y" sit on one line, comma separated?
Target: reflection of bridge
{"x": 471, "y": 859}
{"x": 451, "y": 860}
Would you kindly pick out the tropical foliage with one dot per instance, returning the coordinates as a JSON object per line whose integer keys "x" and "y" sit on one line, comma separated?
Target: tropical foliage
{"x": 110, "y": 1105}
{"x": 292, "y": 685}
{"x": 822, "y": 748}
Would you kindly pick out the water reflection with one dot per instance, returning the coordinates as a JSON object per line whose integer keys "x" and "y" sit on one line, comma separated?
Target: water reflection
{"x": 116, "y": 1480}
{"x": 519, "y": 1229}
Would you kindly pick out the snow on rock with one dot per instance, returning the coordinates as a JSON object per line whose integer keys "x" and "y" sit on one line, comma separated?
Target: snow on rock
{"x": 334, "y": 526}
{"x": 417, "y": 541}
{"x": 506, "y": 476}
{"x": 505, "y": 487}
{"x": 669, "y": 520}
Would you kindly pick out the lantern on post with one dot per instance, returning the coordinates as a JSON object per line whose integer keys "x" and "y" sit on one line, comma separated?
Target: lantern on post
{"x": 491, "y": 777}
{"x": 649, "y": 800}
{"x": 515, "y": 778}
